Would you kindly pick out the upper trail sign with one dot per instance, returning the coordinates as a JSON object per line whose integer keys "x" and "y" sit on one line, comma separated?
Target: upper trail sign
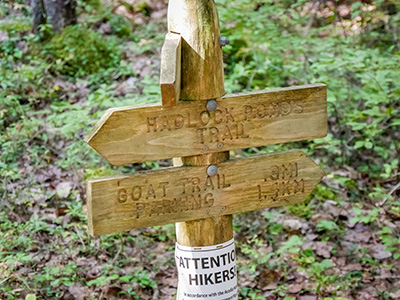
{"x": 135, "y": 134}
{"x": 199, "y": 123}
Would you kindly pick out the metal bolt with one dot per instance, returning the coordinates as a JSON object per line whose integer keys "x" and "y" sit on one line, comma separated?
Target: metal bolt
{"x": 205, "y": 148}
{"x": 211, "y": 105}
{"x": 223, "y": 208}
{"x": 220, "y": 145}
{"x": 212, "y": 170}
{"x": 223, "y": 41}
{"x": 207, "y": 211}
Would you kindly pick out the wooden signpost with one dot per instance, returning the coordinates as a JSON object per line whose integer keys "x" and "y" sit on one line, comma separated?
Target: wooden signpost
{"x": 199, "y": 123}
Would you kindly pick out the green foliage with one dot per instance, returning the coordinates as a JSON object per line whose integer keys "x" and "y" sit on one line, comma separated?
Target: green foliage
{"x": 391, "y": 241}
{"x": 53, "y": 88}
{"x": 15, "y": 28}
{"x": 79, "y": 51}
{"x": 329, "y": 229}
{"x": 368, "y": 217}
{"x": 120, "y": 26}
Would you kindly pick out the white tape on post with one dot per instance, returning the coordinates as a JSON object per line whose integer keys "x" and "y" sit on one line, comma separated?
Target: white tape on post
{"x": 207, "y": 272}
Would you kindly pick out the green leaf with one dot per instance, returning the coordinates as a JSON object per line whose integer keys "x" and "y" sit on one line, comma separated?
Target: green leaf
{"x": 369, "y": 145}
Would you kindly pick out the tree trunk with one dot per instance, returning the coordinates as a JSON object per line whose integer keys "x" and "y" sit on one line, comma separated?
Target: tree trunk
{"x": 39, "y": 14}
{"x": 59, "y": 13}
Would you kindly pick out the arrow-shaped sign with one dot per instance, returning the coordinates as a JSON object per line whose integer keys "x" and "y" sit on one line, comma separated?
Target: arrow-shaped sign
{"x": 188, "y": 193}
{"x": 136, "y": 134}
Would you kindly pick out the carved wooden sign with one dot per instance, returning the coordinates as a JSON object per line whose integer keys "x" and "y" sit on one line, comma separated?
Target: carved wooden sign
{"x": 136, "y": 134}
{"x": 188, "y": 193}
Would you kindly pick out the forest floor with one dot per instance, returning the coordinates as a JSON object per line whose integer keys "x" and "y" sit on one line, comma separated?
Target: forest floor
{"x": 342, "y": 243}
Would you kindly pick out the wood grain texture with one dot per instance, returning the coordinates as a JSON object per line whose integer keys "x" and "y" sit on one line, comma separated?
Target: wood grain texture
{"x": 210, "y": 231}
{"x": 186, "y": 193}
{"x": 202, "y": 68}
{"x": 136, "y": 134}
{"x": 170, "y": 77}
{"x": 205, "y": 232}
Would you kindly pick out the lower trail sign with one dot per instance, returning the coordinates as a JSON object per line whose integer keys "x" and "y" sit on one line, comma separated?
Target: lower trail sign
{"x": 188, "y": 193}
{"x": 199, "y": 123}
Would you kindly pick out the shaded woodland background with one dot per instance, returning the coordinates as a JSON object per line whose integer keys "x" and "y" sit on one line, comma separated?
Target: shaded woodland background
{"x": 342, "y": 243}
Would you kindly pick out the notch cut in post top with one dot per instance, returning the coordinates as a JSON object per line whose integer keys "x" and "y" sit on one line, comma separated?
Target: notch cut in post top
{"x": 170, "y": 77}
{"x": 202, "y": 75}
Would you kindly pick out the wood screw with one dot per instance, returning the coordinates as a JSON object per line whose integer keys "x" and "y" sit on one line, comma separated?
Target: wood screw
{"x": 212, "y": 170}
{"x": 212, "y": 105}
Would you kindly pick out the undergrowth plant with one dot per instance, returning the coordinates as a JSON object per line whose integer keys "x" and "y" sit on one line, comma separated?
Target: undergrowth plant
{"x": 53, "y": 88}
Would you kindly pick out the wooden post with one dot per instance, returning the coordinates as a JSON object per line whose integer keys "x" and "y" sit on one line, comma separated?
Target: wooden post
{"x": 202, "y": 78}
{"x": 202, "y": 67}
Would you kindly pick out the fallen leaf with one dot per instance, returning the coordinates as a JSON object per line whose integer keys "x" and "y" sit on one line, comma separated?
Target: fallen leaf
{"x": 292, "y": 225}
{"x": 323, "y": 249}
{"x": 295, "y": 288}
{"x": 63, "y": 189}
{"x": 357, "y": 237}
{"x": 3, "y": 36}
{"x": 309, "y": 297}
{"x": 378, "y": 251}
{"x": 268, "y": 279}
{"x": 78, "y": 291}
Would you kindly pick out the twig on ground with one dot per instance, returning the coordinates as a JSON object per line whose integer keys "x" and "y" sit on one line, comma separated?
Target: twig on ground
{"x": 395, "y": 188}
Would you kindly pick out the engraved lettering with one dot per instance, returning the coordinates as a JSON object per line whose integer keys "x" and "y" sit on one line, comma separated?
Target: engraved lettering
{"x": 184, "y": 181}
{"x": 274, "y": 110}
{"x": 190, "y": 125}
{"x": 298, "y": 186}
{"x": 165, "y": 123}
{"x": 284, "y": 172}
{"x": 167, "y": 205}
{"x": 205, "y": 117}
{"x": 201, "y": 133}
{"x": 150, "y": 192}
{"x": 163, "y": 185}
{"x": 179, "y": 121}
{"x": 286, "y": 108}
{"x": 217, "y": 116}
{"x": 214, "y": 134}
{"x": 240, "y": 130}
{"x": 122, "y": 196}
{"x": 227, "y": 134}
{"x": 136, "y": 193}
{"x": 261, "y": 111}
{"x": 208, "y": 200}
{"x": 140, "y": 208}
{"x": 222, "y": 183}
{"x": 298, "y": 107}
{"x": 274, "y": 173}
{"x": 284, "y": 188}
{"x": 151, "y": 124}
{"x": 229, "y": 116}
{"x": 290, "y": 171}
{"x": 196, "y": 202}
{"x": 275, "y": 191}
{"x": 156, "y": 208}
{"x": 248, "y": 111}
{"x": 209, "y": 183}
{"x": 196, "y": 185}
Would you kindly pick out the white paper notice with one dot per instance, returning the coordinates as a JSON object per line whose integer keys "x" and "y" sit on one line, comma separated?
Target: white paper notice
{"x": 207, "y": 272}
